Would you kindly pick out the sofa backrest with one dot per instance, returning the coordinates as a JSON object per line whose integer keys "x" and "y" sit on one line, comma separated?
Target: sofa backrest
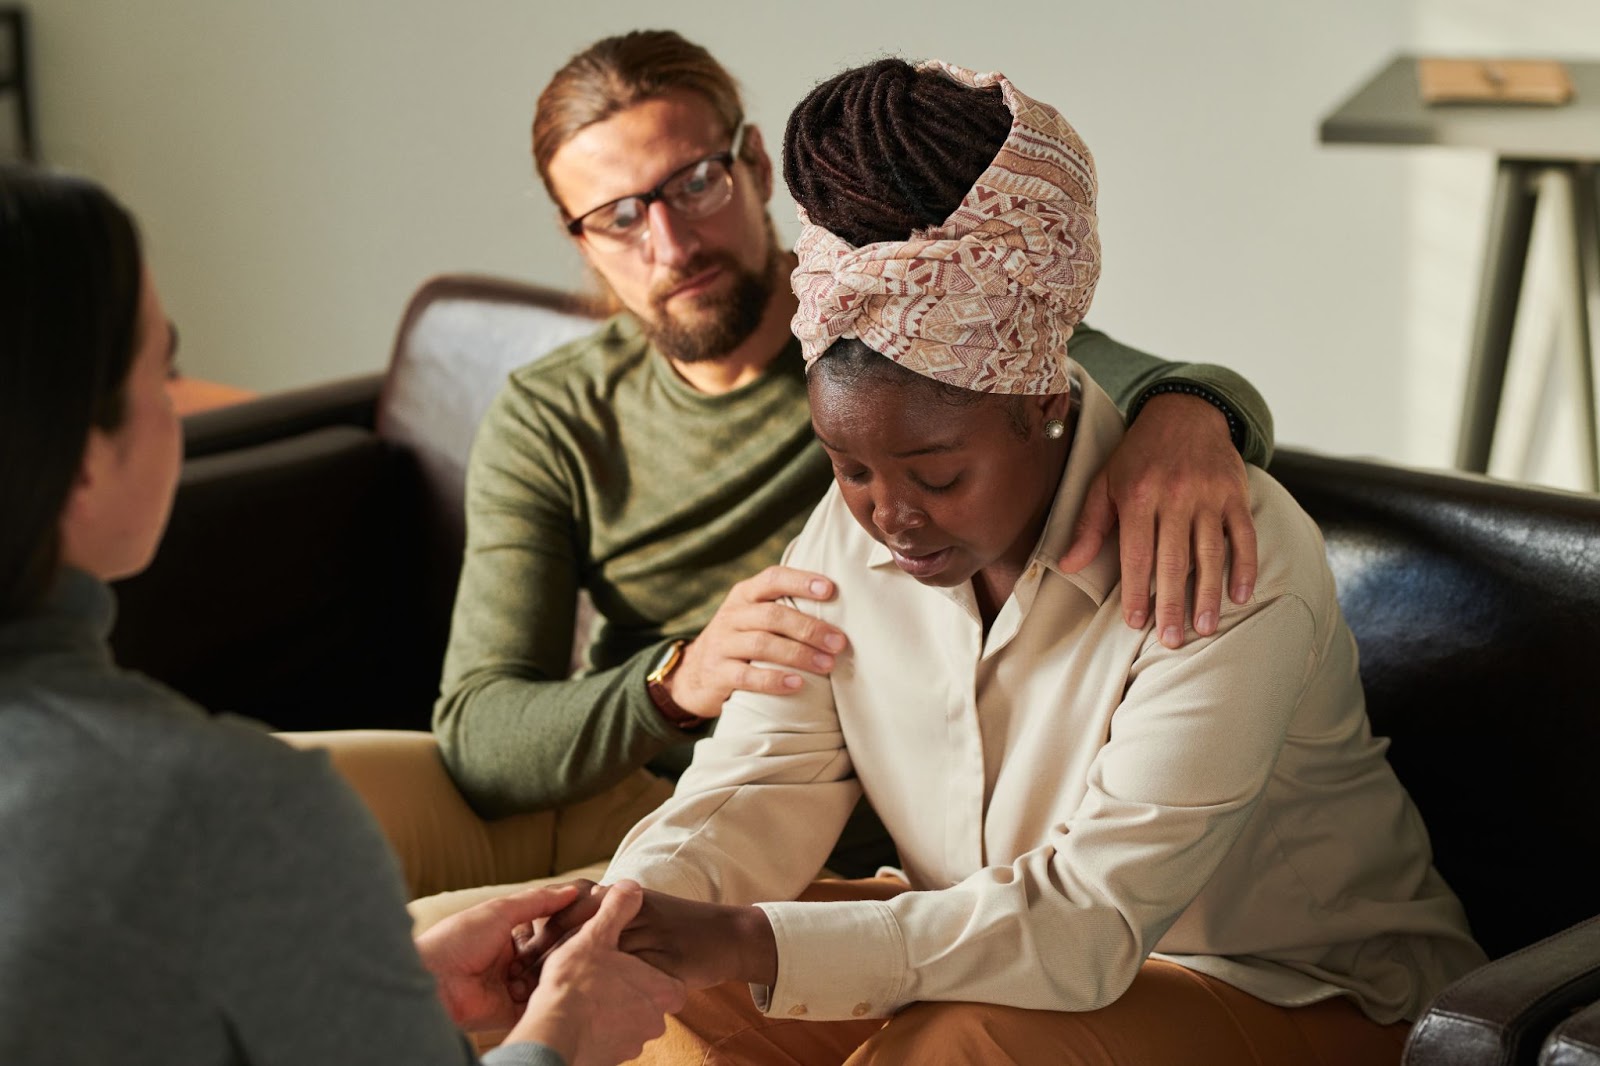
{"x": 307, "y": 574}
{"x": 1476, "y": 605}
{"x": 273, "y": 593}
{"x": 460, "y": 337}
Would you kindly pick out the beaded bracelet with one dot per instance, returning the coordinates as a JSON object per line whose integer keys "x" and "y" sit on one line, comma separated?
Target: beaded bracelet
{"x": 1185, "y": 388}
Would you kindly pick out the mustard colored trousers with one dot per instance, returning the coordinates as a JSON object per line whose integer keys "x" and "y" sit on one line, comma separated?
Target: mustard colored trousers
{"x": 1169, "y": 1016}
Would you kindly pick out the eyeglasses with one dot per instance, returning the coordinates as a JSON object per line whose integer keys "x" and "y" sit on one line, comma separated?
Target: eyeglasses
{"x": 695, "y": 191}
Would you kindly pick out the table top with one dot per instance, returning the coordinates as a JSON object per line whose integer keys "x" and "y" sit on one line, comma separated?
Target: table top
{"x": 1388, "y": 109}
{"x": 192, "y": 395}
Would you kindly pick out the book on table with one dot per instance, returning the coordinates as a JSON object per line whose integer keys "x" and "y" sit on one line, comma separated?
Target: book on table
{"x": 1493, "y": 81}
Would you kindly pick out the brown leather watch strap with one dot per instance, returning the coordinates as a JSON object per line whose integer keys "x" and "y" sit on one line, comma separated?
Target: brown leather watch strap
{"x": 656, "y": 685}
{"x": 669, "y": 708}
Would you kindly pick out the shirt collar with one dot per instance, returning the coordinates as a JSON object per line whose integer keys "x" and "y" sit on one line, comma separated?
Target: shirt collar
{"x": 1099, "y": 430}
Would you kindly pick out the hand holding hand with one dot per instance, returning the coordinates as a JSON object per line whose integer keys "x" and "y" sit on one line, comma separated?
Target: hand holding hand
{"x": 595, "y": 1004}
{"x": 751, "y": 625}
{"x": 701, "y": 944}
{"x": 536, "y": 940}
{"x": 474, "y": 960}
{"x": 1175, "y": 484}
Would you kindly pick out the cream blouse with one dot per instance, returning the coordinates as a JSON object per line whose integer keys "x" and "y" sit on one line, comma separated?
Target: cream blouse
{"x": 1068, "y": 795}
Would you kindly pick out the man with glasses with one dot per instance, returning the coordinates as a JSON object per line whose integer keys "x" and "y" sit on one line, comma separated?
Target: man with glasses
{"x": 662, "y": 461}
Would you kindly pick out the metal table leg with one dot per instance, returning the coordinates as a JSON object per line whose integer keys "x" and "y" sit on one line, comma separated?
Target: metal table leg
{"x": 1586, "y": 302}
{"x": 1505, "y": 258}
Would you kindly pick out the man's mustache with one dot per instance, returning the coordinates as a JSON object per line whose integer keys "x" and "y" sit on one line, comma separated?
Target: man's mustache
{"x": 699, "y": 264}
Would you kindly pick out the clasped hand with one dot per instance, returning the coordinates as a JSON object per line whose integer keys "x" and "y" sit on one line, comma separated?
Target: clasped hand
{"x": 700, "y": 944}
{"x": 588, "y": 1000}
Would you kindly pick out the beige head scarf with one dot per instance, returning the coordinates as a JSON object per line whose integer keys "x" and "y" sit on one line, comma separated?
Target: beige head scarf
{"x": 986, "y": 300}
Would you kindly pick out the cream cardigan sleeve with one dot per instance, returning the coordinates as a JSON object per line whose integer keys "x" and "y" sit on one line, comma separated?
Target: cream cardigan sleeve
{"x": 757, "y": 812}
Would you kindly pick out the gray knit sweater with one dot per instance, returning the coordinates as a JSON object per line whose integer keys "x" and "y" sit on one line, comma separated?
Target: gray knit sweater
{"x": 179, "y": 889}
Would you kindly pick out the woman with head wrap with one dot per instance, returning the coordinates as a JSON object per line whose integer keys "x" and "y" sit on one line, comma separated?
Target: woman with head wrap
{"x": 1115, "y": 850}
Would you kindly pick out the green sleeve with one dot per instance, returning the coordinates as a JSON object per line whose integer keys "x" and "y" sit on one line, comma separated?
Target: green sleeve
{"x": 516, "y": 733}
{"x": 1127, "y": 374}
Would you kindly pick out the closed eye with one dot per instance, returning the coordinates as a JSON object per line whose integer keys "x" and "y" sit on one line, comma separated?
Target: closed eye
{"x": 946, "y": 487}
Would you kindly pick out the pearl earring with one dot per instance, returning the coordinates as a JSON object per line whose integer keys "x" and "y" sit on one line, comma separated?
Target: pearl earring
{"x": 1055, "y": 429}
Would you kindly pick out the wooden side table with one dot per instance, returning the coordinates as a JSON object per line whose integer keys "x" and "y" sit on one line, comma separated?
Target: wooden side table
{"x": 1534, "y": 145}
{"x": 191, "y": 395}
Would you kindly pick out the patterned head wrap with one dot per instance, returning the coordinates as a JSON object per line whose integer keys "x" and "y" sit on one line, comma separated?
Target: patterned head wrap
{"x": 986, "y": 300}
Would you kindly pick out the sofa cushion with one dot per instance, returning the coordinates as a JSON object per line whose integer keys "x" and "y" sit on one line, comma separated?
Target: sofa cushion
{"x": 1476, "y": 606}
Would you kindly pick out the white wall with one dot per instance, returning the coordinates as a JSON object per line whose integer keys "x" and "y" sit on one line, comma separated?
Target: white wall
{"x": 301, "y": 165}
{"x": 1447, "y": 221}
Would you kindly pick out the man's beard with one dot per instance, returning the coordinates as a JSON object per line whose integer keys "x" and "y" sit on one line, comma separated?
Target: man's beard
{"x": 723, "y": 320}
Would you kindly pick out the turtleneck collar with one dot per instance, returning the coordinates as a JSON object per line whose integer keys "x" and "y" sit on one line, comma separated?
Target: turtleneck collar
{"x": 76, "y": 615}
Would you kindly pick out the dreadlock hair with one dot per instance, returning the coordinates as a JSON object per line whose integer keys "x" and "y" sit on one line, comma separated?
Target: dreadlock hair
{"x": 875, "y": 154}
{"x": 882, "y": 150}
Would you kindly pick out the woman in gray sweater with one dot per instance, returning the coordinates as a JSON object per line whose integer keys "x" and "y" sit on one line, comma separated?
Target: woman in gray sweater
{"x": 176, "y": 888}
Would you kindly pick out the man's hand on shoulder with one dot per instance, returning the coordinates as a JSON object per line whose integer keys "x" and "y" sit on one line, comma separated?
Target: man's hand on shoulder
{"x": 1180, "y": 493}
{"x": 751, "y": 626}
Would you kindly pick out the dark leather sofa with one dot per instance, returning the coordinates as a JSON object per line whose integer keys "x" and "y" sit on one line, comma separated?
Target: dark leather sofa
{"x": 307, "y": 572}
{"x": 307, "y": 575}
{"x": 281, "y": 588}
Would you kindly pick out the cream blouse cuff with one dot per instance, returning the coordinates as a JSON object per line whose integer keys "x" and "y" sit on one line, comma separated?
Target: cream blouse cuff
{"x": 835, "y": 961}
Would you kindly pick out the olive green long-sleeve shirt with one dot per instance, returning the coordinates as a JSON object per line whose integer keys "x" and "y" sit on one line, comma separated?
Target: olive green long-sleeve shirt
{"x": 599, "y": 468}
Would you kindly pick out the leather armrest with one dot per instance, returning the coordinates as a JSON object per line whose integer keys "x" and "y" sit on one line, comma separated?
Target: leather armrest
{"x": 1576, "y": 1041}
{"x": 351, "y": 402}
{"x": 1500, "y": 1013}
{"x": 279, "y": 589}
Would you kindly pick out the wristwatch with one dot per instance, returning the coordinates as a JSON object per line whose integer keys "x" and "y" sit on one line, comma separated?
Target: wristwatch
{"x": 655, "y": 683}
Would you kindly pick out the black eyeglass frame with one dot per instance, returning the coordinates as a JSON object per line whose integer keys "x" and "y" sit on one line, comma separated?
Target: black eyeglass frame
{"x": 728, "y": 157}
